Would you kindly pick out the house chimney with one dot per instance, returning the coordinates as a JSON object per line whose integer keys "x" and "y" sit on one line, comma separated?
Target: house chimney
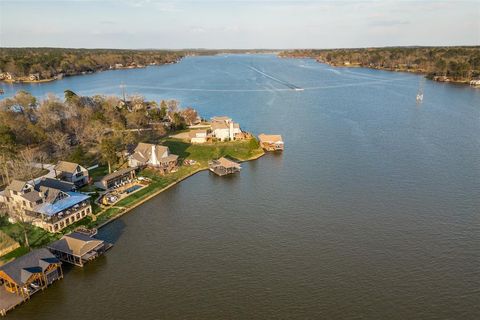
{"x": 153, "y": 157}
{"x": 231, "y": 131}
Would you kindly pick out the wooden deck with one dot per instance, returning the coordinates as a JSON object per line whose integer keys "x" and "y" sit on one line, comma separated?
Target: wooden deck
{"x": 8, "y": 301}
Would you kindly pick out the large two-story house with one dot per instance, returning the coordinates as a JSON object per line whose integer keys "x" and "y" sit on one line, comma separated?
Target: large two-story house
{"x": 154, "y": 156}
{"x": 71, "y": 172}
{"x": 48, "y": 208}
{"x": 224, "y": 128}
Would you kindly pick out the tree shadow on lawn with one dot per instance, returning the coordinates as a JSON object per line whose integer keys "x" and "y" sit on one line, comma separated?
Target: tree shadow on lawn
{"x": 178, "y": 147}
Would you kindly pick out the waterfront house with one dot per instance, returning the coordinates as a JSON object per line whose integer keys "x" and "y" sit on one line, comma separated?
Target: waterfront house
{"x": 77, "y": 248}
{"x": 154, "y": 156}
{"x": 27, "y": 275}
{"x": 475, "y": 83}
{"x": 224, "y": 128}
{"x": 34, "y": 77}
{"x": 117, "y": 178}
{"x": 45, "y": 207}
{"x": 271, "y": 142}
{"x": 198, "y": 136}
{"x": 7, "y": 76}
{"x": 71, "y": 172}
{"x": 224, "y": 166}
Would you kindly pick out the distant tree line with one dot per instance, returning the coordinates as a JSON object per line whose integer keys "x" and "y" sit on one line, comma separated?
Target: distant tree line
{"x": 79, "y": 128}
{"x": 50, "y": 62}
{"x": 455, "y": 63}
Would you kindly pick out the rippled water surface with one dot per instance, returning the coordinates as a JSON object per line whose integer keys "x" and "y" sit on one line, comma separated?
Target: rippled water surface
{"x": 372, "y": 211}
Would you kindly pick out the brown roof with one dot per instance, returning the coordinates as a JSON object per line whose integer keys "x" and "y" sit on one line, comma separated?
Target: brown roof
{"x": 16, "y": 185}
{"x": 66, "y": 166}
{"x": 270, "y": 138}
{"x": 171, "y": 157}
{"x": 143, "y": 151}
{"x": 193, "y": 133}
{"x": 224, "y": 162}
{"x": 219, "y": 125}
{"x": 32, "y": 196}
{"x": 221, "y": 118}
{"x": 50, "y": 193}
{"x": 76, "y": 244}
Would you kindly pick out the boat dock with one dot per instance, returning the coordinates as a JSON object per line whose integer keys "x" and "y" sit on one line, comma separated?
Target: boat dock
{"x": 224, "y": 166}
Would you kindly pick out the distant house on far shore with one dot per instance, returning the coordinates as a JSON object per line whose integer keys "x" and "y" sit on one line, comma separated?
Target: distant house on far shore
{"x": 475, "y": 83}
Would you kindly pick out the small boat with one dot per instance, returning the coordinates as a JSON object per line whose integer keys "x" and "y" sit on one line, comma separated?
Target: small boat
{"x": 420, "y": 90}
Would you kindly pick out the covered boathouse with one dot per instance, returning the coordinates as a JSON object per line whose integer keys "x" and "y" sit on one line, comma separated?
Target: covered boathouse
{"x": 78, "y": 248}
{"x": 224, "y": 166}
{"x": 26, "y": 275}
{"x": 271, "y": 142}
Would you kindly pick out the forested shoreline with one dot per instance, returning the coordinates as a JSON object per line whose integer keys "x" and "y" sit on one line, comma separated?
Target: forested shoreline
{"x": 44, "y": 64}
{"x": 455, "y": 64}
{"x": 36, "y": 64}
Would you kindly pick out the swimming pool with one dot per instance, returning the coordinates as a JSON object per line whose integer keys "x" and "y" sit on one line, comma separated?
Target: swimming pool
{"x": 133, "y": 188}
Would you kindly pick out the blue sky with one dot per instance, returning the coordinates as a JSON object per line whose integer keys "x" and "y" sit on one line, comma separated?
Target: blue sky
{"x": 237, "y": 24}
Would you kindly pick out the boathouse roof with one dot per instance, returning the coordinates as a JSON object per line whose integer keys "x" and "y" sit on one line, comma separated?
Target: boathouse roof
{"x": 271, "y": 138}
{"x": 226, "y": 163}
{"x": 22, "y": 268}
{"x": 76, "y": 244}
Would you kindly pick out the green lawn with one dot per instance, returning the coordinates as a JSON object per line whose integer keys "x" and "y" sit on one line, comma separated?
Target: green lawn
{"x": 237, "y": 150}
{"x": 202, "y": 153}
{"x": 98, "y": 172}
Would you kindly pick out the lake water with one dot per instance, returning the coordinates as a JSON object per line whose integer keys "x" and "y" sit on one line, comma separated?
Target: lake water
{"x": 372, "y": 211}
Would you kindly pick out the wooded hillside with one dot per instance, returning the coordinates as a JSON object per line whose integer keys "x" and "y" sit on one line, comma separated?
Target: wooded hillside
{"x": 455, "y": 63}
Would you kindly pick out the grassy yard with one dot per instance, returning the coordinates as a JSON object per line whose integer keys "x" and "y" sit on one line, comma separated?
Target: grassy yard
{"x": 37, "y": 237}
{"x": 98, "y": 172}
{"x": 237, "y": 150}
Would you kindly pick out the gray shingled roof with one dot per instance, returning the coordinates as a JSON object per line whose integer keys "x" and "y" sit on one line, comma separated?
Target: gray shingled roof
{"x": 16, "y": 185}
{"x": 32, "y": 196}
{"x": 55, "y": 184}
{"x": 33, "y": 262}
{"x": 116, "y": 174}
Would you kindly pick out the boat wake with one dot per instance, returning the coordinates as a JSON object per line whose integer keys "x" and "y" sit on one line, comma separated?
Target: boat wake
{"x": 342, "y": 85}
{"x": 285, "y": 83}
